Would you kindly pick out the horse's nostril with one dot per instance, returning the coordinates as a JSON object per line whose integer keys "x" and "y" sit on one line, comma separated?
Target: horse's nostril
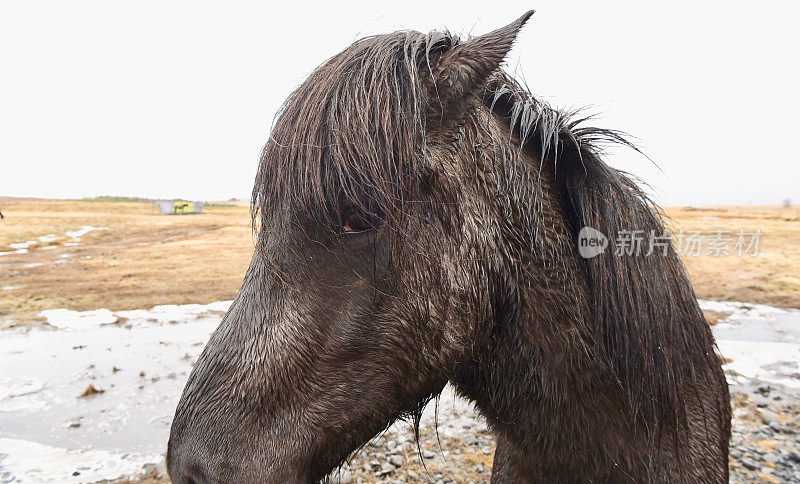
{"x": 190, "y": 473}
{"x": 195, "y": 474}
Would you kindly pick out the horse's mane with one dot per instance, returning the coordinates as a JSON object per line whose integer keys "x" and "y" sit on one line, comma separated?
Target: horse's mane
{"x": 644, "y": 311}
{"x": 355, "y": 131}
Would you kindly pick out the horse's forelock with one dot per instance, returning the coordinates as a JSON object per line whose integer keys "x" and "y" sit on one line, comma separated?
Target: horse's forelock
{"x": 352, "y": 133}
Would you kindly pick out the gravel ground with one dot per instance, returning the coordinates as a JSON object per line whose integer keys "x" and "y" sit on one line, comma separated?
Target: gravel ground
{"x": 765, "y": 444}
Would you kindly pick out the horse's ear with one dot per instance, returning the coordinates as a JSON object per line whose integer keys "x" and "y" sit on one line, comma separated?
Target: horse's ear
{"x": 465, "y": 68}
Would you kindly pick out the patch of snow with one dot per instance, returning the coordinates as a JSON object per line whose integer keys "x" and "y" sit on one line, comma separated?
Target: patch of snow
{"x": 83, "y": 230}
{"x": 740, "y": 309}
{"x": 172, "y": 313}
{"x": 11, "y": 387}
{"x": 75, "y": 235}
{"x": 222, "y": 306}
{"x": 78, "y": 320}
{"x": 33, "y": 264}
{"x": 20, "y": 395}
{"x": 18, "y": 251}
{"x": 22, "y": 245}
{"x": 761, "y": 342}
{"x": 766, "y": 361}
{"x": 26, "y": 461}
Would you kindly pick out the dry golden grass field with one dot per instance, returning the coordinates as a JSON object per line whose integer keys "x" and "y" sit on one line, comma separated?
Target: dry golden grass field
{"x": 145, "y": 258}
{"x": 771, "y": 277}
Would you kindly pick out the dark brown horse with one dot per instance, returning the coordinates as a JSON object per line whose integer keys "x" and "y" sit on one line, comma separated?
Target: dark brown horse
{"x": 417, "y": 214}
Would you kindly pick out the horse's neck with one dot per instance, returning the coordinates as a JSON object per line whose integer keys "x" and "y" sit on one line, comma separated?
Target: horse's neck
{"x": 540, "y": 363}
{"x": 543, "y": 342}
{"x": 538, "y": 378}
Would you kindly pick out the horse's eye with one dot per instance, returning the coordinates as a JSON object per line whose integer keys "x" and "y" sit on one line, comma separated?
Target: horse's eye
{"x": 354, "y": 222}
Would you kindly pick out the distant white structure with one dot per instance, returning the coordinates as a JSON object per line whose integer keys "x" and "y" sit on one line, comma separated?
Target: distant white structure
{"x": 179, "y": 207}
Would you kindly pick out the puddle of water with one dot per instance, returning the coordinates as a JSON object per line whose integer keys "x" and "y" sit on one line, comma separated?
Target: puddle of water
{"x": 48, "y": 432}
{"x": 755, "y": 323}
{"x": 762, "y": 342}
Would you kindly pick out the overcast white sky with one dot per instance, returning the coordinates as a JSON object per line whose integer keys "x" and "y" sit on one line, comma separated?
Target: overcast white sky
{"x": 175, "y": 99}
